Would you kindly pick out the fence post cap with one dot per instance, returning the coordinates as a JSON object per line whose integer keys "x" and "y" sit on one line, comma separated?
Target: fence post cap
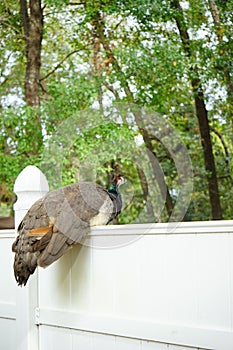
{"x": 30, "y": 179}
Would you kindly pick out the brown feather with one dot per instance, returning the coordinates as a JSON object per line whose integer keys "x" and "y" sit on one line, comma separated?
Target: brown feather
{"x": 43, "y": 242}
{"x": 58, "y": 245}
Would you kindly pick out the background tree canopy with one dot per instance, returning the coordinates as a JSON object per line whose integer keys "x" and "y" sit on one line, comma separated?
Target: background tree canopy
{"x": 73, "y": 79}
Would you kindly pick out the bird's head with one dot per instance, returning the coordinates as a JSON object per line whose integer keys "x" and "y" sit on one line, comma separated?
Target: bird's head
{"x": 119, "y": 180}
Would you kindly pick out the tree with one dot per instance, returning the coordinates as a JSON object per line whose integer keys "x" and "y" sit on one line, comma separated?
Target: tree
{"x": 202, "y": 114}
{"x": 100, "y": 39}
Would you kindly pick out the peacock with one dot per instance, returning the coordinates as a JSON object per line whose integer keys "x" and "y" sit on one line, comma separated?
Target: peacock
{"x": 60, "y": 220}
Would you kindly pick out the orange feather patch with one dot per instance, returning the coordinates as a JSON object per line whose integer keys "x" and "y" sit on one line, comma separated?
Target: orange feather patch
{"x": 39, "y": 232}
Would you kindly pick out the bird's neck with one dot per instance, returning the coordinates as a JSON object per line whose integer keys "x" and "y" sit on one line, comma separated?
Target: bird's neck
{"x": 113, "y": 188}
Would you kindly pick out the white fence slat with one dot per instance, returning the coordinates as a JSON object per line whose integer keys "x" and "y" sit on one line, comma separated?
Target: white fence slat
{"x": 7, "y": 334}
{"x": 213, "y": 290}
{"x": 148, "y": 345}
{"x": 127, "y": 344}
{"x": 55, "y": 339}
{"x": 81, "y": 340}
{"x": 103, "y": 342}
{"x": 7, "y": 282}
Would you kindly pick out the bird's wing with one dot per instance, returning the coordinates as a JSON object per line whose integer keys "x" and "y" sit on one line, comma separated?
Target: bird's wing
{"x": 83, "y": 205}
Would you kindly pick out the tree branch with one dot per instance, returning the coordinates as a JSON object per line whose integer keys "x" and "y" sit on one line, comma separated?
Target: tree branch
{"x": 113, "y": 91}
{"x": 4, "y": 80}
{"x": 60, "y": 63}
{"x": 216, "y": 132}
{"x": 145, "y": 191}
{"x": 215, "y": 15}
{"x": 227, "y": 154}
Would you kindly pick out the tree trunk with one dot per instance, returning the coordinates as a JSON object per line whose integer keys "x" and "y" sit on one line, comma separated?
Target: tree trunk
{"x": 202, "y": 116}
{"x": 32, "y": 20}
{"x": 206, "y": 142}
{"x": 145, "y": 191}
{"x": 33, "y": 25}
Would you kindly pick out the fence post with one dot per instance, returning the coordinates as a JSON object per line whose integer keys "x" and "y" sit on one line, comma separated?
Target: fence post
{"x": 30, "y": 185}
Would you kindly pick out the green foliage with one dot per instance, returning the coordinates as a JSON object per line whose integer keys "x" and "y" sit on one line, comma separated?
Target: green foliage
{"x": 139, "y": 47}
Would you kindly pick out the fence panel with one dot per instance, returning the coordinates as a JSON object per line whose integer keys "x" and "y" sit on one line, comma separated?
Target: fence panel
{"x": 152, "y": 286}
{"x": 173, "y": 288}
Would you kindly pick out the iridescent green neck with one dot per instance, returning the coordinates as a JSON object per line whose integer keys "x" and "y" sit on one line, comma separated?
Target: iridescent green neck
{"x": 112, "y": 187}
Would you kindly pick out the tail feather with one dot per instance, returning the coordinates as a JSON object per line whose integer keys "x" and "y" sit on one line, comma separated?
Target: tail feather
{"x": 24, "y": 266}
{"x": 27, "y": 250}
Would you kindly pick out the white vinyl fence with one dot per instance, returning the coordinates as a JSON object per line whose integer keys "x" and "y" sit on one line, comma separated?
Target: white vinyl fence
{"x": 131, "y": 287}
